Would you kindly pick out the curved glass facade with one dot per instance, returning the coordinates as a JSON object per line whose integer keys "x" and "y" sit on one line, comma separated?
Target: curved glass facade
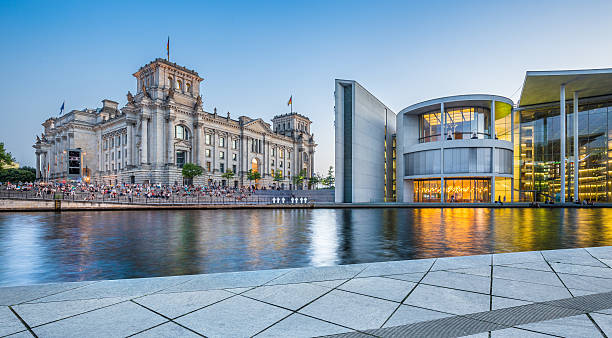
{"x": 461, "y": 123}
{"x": 537, "y": 159}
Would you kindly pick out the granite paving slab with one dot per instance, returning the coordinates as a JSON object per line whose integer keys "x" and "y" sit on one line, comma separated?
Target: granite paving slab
{"x": 448, "y": 300}
{"x": 385, "y": 288}
{"x": 407, "y": 314}
{"x": 298, "y": 325}
{"x": 525, "y": 275}
{"x": 237, "y": 316}
{"x": 528, "y": 291}
{"x": 604, "y": 252}
{"x": 588, "y": 283}
{"x": 168, "y": 329}
{"x": 408, "y": 277}
{"x": 351, "y": 310}
{"x": 584, "y": 270}
{"x": 314, "y": 274}
{"x": 173, "y": 305}
{"x": 571, "y": 256}
{"x": 462, "y": 262}
{"x": 542, "y": 266}
{"x": 460, "y": 281}
{"x": 291, "y": 296}
{"x": 397, "y": 267}
{"x": 19, "y": 294}
{"x": 514, "y": 332}
{"x": 116, "y": 288}
{"x": 517, "y": 257}
{"x": 576, "y": 326}
{"x": 118, "y": 320}
{"x": 604, "y": 321}
{"x": 9, "y": 323}
{"x": 227, "y": 280}
{"x": 36, "y": 314}
{"x": 22, "y": 334}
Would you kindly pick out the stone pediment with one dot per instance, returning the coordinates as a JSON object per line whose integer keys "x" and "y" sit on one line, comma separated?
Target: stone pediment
{"x": 258, "y": 125}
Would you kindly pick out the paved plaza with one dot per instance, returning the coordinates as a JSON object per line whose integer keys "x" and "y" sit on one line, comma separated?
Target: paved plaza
{"x": 565, "y": 293}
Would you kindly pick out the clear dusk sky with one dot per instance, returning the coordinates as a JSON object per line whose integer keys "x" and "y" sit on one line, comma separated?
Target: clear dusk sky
{"x": 253, "y": 55}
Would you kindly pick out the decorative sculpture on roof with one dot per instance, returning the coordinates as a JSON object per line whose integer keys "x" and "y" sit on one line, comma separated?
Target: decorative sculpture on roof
{"x": 130, "y": 98}
{"x": 37, "y": 139}
{"x": 198, "y": 103}
{"x": 144, "y": 91}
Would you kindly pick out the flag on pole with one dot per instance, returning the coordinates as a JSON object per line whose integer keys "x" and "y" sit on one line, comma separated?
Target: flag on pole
{"x": 62, "y": 107}
{"x": 290, "y": 99}
{"x": 168, "y": 48}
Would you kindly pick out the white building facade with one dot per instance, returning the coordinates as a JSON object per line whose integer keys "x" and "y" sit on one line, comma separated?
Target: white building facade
{"x": 162, "y": 127}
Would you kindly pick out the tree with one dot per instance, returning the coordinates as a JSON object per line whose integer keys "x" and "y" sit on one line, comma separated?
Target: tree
{"x": 314, "y": 180}
{"x": 228, "y": 175}
{"x": 328, "y": 181}
{"x": 191, "y": 170}
{"x": 5, "y": 157}
{"x": 299, "y": 178}
{"x": 17, "y": 175}
{"x": 278, "y": 177}
{"x": 253, "y": 175}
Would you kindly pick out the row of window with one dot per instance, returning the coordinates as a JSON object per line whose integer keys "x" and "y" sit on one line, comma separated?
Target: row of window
{"x": 115, "y": 141}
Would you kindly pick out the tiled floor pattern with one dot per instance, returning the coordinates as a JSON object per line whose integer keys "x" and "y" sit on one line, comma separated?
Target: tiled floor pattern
{"x": 319, "y": 301}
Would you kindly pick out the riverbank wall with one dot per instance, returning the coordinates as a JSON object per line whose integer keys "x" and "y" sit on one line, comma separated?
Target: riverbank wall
{"x": 10, "y": 205}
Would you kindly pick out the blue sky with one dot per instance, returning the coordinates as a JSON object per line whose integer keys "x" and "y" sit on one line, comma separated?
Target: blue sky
{"x": 254, "y": 55}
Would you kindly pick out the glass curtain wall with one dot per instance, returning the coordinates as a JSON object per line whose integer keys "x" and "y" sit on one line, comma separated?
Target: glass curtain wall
{"x": 503, "y": 116}
{"x": 503, "y": 189}
{"x": 467, "y": 190}
{"x": 427, "y": 190}
{"x": 539, "y": 145}
{"x": 462, "y": 123}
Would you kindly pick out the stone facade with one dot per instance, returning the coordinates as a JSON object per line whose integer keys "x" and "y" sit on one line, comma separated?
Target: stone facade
{"x": 164, "y": 126}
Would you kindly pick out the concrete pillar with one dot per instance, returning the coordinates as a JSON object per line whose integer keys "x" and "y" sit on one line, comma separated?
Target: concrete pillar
{"x": 492, "y": 189}
{"x": 492, "y": 127}
{"x": 144, "y": 158}
{"x": 563, "y": 140}
{"x": 576, "y": 191}
{"x": 443, "y": 135}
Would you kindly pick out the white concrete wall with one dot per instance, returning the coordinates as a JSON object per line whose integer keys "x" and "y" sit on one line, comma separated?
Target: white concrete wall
{"x": 368, "y": 149}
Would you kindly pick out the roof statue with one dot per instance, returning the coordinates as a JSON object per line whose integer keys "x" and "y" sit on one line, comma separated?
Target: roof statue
{"x": 130, "y": 98}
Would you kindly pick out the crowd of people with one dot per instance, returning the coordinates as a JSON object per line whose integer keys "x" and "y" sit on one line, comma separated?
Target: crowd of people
{"x": 129, "y": 192}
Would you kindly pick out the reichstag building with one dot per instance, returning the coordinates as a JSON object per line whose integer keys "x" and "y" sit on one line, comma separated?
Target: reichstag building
{"x": 162, "y": 127}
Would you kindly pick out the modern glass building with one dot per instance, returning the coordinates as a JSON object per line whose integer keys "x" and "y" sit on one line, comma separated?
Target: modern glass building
{"x": 550, "y": 164}
{"x": 555, "y": 144}
{"x": 456, "y": 149}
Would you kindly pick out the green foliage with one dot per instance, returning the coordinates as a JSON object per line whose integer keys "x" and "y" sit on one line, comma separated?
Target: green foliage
{"x": 278, "y": 177}
{"x": 228, "y": 175}
{"x": 5, "y": 157}
{"x": 329, "y": 180}
{"x": 299, "y": 178}
{"x": 17, "y": 175}
{"x": 314, "y": 180}
{"x": 30, "y": 169}
{"x": 253, "y": 175}
{"x": 191, "y": 170}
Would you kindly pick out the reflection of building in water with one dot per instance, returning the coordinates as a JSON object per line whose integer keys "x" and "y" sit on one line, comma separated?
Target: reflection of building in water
{"x": 480, "y": 148}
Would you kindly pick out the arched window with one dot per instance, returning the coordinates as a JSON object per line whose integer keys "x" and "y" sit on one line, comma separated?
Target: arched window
{"x": 179, "y": 85}
{"x": 181, "y": 132}
{"x": 170, "y": 81}
{"x": 188, "y": 87}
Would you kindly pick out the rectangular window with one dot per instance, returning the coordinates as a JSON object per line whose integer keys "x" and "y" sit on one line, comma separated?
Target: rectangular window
{"x": 234, "y": 157}
{"x": 221, "y": 154}
{"x": 208, "y": 166}
{"x": 207, "y": 152}
{"x": 221, "y": 141}
{"x": 280, "y": 164}
{"x": 125, "y": 138}
{"x": 235, "y": 143}
{"x": 113, "y": 156}
{"x": 119, "y": 154}
{"x": 234, "y": 168}
{"x": 118, "y": 141}
{"x": 181, "y": 157}
{"x": 282, "y": 153}
{"x": 272, "y": 163}
{"x": 222, "y": 167}
{"x": 208, "y": 138}
{"x": 272, "y": 172}
{"x": 273, "y": 151}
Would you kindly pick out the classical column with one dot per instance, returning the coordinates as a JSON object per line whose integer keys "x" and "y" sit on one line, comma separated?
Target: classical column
{"x": 169, "y": 138}
{"x": 130, "y": 131}
{"x": 213, "y": 137}
{"x": 144, "y": 139}
{"x": 37, "y": 165}
{"x": 576, "y": 157}
{"x": 563, "y": 137}
{"x": 195, "y": 144}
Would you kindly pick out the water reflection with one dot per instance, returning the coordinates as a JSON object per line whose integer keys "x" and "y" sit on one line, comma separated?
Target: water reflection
{"x": 48, "y": 247}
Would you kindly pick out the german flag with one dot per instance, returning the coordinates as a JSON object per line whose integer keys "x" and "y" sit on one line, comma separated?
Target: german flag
{"x": 290, "y": 99}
